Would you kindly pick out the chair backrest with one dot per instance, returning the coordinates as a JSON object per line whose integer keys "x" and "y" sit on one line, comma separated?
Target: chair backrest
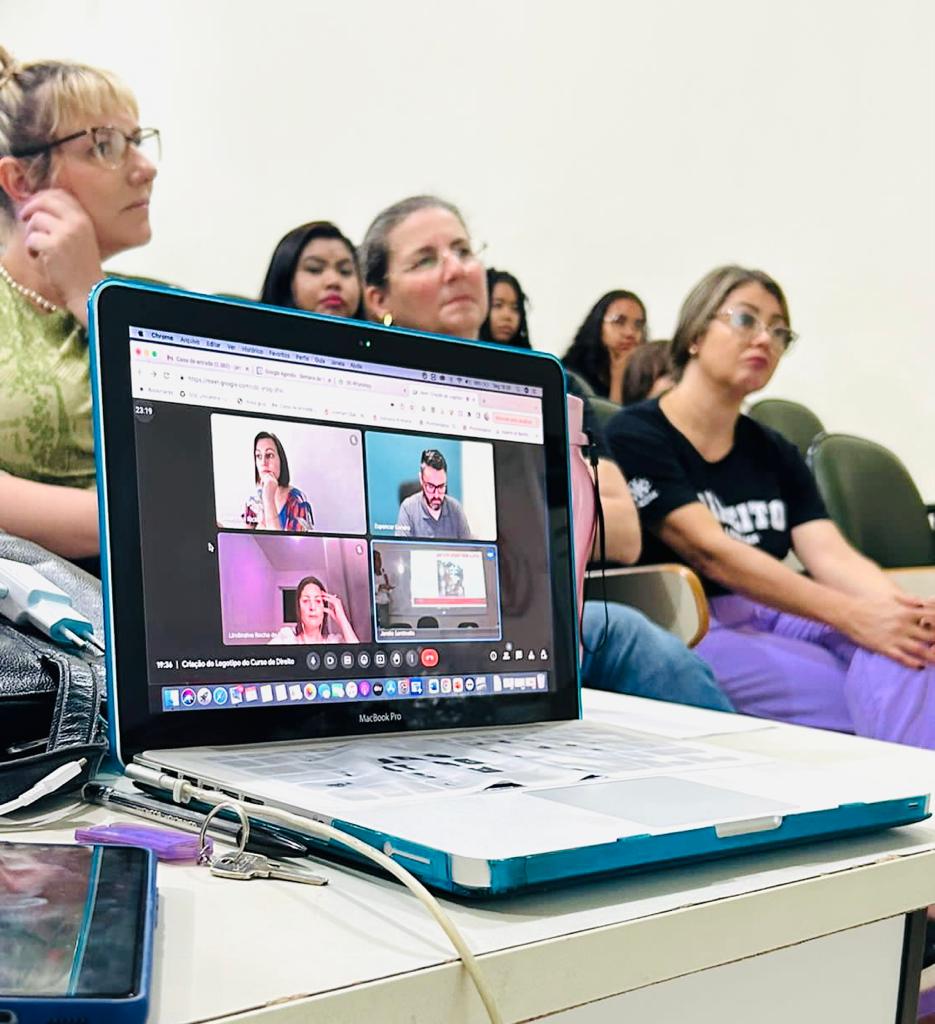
{"x": 670, "y": 595}
{"x": 603, "y": 410}
{"x": 796, "y": 423}
{"x": 873, "y": 499}
{"x": 577, "y": 385}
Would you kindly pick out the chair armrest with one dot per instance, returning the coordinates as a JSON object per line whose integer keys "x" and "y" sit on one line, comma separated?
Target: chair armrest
{"x": 919, "y": 580}
{"x": 669, "y": 595}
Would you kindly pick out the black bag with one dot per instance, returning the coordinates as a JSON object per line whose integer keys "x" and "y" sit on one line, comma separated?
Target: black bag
{"x": 51, "y": 698}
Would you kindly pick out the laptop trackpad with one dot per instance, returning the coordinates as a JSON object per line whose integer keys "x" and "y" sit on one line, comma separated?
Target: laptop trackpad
{"x": 663, "y": 801}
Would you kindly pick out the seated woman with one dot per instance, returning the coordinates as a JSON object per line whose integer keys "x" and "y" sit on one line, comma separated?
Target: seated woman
{"x": 420, "y": 271}
{"x": 648, "y": 373}
{"x": 315, "y": 609}
{"x": 76, "y": 174}
{"x": 842, "y": 648}
{"x": 276, "y": 505}
{"x": 506, "y": 320}
{"x": 314, "y": 267}
{"x": 610, "y": 333}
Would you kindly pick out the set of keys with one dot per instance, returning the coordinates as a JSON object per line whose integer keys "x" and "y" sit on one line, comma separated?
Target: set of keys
{"x": 244, "y": 866}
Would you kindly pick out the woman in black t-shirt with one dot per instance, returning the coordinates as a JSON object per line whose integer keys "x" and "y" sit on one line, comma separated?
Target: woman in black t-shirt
{"x": 842, "y": 648}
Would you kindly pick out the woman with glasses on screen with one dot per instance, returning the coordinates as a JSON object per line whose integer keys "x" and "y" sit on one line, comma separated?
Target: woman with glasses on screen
{"x": 841, "y": 648}
{"x": 610, "y": 333}
{"x": 314, "y": 267}
{"x": 76, "y": 173}
{"x": 422, "y": 271}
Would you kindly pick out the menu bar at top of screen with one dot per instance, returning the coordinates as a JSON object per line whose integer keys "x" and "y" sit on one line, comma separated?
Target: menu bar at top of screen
{"x": 161, "y": 372}
{"x": 217, "y": 345}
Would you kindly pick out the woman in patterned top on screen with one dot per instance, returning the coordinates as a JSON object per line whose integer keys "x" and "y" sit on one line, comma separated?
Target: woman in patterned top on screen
{"x": 76, "y": 173}
{"x": 276, "y": 505}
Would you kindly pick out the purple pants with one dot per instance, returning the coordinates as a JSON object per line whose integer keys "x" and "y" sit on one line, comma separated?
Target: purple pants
{"x": 775, "y": 665}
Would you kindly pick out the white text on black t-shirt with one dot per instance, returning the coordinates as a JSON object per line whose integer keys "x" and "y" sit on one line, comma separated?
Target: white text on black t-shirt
{"x": 745, "y": 520}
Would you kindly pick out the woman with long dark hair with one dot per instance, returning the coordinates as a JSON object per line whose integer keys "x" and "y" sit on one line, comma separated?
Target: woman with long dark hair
{"x": 276, "y": 505}
{"x": 610, "y": 333}
{"x": 506, "y": 319}
{"x": 314, "y": 267}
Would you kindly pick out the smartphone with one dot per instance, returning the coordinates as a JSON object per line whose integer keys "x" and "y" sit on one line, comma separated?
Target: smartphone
{"x": 76, "y": 933}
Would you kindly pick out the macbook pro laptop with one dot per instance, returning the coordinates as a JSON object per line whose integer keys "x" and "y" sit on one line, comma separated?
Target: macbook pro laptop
{"x": 338, "y": 579}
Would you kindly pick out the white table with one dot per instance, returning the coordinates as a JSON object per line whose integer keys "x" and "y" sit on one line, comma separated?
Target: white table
{"x": 813, "y": 933}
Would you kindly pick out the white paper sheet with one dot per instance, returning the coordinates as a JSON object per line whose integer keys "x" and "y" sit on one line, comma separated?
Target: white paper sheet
{"x": 675, "y": 721}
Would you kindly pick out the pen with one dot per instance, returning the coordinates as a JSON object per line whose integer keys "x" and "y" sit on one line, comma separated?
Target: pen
{"x": 262, "y": 828}
{"x": 260, "y": 840}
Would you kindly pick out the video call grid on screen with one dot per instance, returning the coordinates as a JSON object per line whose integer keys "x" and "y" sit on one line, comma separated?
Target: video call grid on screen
{"x": 224, "y": 399}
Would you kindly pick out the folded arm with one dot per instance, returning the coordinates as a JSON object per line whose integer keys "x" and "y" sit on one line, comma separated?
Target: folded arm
{"x": 61, "y": 519}
{"x": 882, "y": 620}
{"x": 621, "y": 521}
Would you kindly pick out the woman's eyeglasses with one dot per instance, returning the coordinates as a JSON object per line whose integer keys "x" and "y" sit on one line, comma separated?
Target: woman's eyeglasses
{"x": 110, "y": 145}
{"x": 621, "y": 321}
{"x": 748, "y": 326}
{"x": 427, "y": 261}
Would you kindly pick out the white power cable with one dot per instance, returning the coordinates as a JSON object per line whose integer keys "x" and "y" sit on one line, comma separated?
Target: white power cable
{"x": 184, "y": 791}
{"x": 46, "y": 785}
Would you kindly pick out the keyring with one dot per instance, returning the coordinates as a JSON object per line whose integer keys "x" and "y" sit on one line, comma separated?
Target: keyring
{"x": 213, "y": 813}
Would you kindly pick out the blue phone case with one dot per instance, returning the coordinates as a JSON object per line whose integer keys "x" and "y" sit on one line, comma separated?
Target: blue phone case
{"x": 101, "y": 1010}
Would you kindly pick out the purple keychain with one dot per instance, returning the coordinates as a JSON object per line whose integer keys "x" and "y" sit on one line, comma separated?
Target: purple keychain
{"x": 167, "y": 844}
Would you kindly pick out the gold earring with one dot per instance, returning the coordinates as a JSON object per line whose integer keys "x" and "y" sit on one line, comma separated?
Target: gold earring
{"x": 387, "y": 319}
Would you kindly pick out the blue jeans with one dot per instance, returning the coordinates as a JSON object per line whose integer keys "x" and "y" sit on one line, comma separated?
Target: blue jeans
{"x": 640, "y": 658}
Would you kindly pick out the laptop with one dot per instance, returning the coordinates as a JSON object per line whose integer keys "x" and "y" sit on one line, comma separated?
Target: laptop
{"x": 338, "y": 580}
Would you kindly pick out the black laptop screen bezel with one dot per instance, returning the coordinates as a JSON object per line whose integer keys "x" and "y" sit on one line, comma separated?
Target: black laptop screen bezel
{"x": 116, "y": 306}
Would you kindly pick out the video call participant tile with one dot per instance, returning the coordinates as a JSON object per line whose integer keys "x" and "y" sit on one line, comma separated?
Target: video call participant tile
{"x": 431, "y": 488}
{"x": 436, "y": 592}
{"x": 289, "y": 477}
{"x": 294, "y": 590}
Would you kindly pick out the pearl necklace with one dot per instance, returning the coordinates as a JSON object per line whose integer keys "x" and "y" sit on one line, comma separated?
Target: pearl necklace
{"x": 39, "y": 300}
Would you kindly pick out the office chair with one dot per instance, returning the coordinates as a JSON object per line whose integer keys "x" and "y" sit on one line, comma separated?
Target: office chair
{"x": 874, "y": 501}
{"x": 603, "y": 410}
{"x": 796, "y": 423}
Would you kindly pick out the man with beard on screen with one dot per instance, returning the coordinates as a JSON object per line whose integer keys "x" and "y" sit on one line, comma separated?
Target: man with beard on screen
{"x": 431, "y": 512}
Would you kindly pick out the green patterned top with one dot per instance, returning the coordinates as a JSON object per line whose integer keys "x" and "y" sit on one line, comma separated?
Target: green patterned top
{"x": 45, "y": 394}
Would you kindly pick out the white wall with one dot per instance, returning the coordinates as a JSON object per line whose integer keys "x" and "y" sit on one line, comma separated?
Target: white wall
{"x": 591, "y": 144}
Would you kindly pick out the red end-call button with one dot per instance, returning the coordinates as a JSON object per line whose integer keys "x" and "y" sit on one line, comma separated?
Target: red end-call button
{"x": 430, "y": 657}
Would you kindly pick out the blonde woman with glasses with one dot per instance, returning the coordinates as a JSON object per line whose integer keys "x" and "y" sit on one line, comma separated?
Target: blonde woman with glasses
{"x": 842, "y": 647}
{"x": 76, "y": 174}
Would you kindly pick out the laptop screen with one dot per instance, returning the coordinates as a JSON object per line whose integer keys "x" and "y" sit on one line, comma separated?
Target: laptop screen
{"x": 330, "y": 541}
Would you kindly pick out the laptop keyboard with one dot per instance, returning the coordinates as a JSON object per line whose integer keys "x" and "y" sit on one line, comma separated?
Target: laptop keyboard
{"x": 564, "y": 753}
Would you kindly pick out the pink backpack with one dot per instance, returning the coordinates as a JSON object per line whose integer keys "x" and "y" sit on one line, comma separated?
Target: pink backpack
{"x": 583, "y": 508}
